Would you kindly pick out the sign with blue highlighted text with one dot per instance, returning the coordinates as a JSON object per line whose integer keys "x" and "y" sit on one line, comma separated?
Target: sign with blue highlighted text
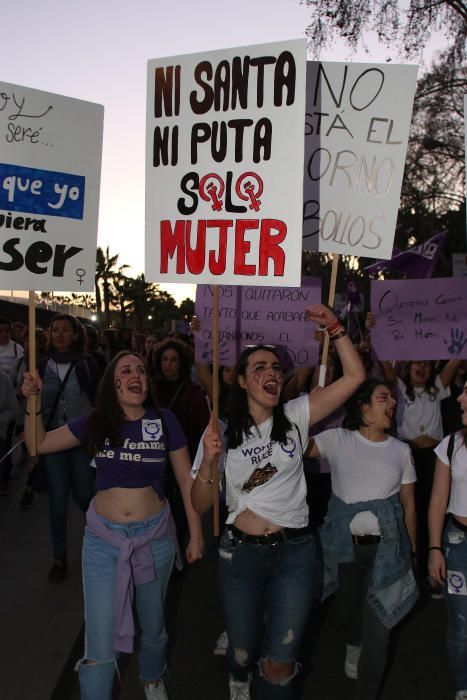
{"x": 50, "y": 161}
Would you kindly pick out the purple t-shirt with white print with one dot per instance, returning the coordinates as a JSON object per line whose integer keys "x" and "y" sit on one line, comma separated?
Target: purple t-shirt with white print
{"x": 141, "y": 459}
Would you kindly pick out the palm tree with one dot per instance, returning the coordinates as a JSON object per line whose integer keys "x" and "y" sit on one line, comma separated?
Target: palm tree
{"x": 105, "y": 273}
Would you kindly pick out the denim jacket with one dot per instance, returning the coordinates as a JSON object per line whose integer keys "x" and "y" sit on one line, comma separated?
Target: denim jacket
{"x": 392, "y": 590}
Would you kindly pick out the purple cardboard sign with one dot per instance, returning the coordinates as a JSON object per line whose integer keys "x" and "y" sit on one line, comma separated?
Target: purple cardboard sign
{"x": 251, "y": 315}
{"x": 422, "y": 319}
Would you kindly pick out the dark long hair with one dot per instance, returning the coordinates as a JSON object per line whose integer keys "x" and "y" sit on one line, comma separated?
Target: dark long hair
{"x": 429, "y": 387}
{"x": 240, "y": 421}
{"x": 354, "y": 406}
{"x": 107, "y": 418}
{"x": 79, "y": 343}
{"x": 183, "y": 352}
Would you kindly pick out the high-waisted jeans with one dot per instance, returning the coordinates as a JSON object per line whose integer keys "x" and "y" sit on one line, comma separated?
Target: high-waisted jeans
{"x": 96, "y": 670}
{"x": 270, "y": 586}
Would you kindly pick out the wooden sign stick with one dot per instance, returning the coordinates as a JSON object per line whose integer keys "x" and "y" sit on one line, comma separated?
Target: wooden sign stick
{"x": 332, "y": 293}
{"x": 32, "y": 368}
{"x": 215, "y": 402}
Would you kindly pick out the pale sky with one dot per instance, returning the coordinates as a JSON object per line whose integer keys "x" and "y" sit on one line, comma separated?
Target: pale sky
{"x": 97, "y": 50}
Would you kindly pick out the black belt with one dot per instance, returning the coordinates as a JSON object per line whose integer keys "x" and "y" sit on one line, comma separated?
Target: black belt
{"x": 366, "y": 539}
{"x": 287, "y": 533}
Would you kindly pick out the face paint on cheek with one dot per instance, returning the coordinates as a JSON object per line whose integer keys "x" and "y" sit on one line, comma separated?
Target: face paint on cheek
{"x": 118, "y": 385}
{"x": 257, "y": 377}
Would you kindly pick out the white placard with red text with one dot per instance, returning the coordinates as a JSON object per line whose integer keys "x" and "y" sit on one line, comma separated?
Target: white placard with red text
{"x": 224, "y": 166}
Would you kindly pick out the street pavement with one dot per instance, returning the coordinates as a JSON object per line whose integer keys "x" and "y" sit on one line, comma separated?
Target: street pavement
{"x": 41, "y": 628}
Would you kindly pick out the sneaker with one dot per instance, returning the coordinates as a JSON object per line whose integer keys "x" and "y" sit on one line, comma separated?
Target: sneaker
{"x": 222, "y": 644}
{"x": 239, "y": 690}
{"x": 27, "y": 499}
{"x": 434, "y": 589}
{"x": 59, "y": 570}
{"x": 352, "y": 657}
{"x": 461, "y": 695}
{"x": 156, "y": 690}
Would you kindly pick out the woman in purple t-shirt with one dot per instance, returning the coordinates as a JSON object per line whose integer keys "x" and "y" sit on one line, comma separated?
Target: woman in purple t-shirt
{"x": 129, "y": 545}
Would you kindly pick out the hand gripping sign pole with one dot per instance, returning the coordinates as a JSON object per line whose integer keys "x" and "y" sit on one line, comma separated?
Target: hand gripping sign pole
{"x": 332, "y": 293}
{"x": 32, "y": 368}
{"x": 215, "y": 404}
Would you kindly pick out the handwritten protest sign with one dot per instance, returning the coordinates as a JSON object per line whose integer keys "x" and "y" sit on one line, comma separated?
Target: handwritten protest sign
{"x": 50, "y": 159}
{"x": 357, "y": 126}
{"x": 251, "y": 314}
{"x": 420, "y": 319}
{"x": 224, "y": 172}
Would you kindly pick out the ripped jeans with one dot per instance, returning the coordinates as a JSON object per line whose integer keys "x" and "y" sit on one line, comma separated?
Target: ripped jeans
{"x": 267, "y": 595}
{"x": 455, "y": 547}
{"x": 99, "y": 575}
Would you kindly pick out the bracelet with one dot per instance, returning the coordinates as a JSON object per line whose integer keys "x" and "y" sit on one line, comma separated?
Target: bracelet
{"x": 37, "y": 414}
{"x": 334, "y": 327}
{"x": 340, "y": 334}
{"x": 206, "y": 482}
{"x": 440, "y": 548}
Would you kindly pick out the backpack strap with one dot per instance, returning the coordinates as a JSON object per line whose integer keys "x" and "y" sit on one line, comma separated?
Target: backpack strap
{"x": 452, "y": 439}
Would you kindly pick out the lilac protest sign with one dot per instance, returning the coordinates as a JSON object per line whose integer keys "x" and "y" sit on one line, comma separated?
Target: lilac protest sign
{"x": 420, "y": 319}
{"x": 259, "y": 315}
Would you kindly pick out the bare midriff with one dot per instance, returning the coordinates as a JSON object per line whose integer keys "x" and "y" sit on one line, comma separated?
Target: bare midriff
{"x": 254, "y": 524}
{"x": 122, "y": 505}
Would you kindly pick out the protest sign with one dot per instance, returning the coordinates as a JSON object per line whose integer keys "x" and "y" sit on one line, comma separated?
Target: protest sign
{"x": 224, "y": 166}
{"x": 420, "y": 319}
{"x": 356, "y": 132}
{"x": 50, "y": 159}
{"x": 250, "y": 315}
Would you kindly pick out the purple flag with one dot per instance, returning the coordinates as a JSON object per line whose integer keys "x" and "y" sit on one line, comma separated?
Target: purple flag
{"x": 418, "y": 261}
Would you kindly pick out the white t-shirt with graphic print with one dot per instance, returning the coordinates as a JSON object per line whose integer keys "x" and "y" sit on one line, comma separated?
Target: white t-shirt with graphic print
{"x": 267, "y": 477}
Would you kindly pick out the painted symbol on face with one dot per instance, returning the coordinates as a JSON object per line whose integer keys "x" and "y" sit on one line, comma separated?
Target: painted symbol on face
{"x": 249, "y": 186}
{"x": 289, "y": 447}
{"x": 211, "y": 189}
{"x": 118, "y": 385}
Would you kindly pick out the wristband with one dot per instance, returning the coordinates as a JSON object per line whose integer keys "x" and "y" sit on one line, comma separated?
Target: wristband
{"x": 334, "y": 327}
{"x": 339, "y": 334}
{"x": 439, "y": 548}
{"x": 37, "y": 414}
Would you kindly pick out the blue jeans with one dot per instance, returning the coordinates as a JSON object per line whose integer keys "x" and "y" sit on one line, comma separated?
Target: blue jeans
{"x": 96, "y": 670}
{"x": 65, "y": 470}
{"x": 270, "y": 587}
{"x": 455, "y": 547}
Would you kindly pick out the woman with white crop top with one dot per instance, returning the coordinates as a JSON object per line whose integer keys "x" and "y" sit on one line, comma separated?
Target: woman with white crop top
{"x": 267, "y": 561}
{"x": 369, "y": 531}
{"x": 447, "y": 561}
{"x": 130, "y": 544}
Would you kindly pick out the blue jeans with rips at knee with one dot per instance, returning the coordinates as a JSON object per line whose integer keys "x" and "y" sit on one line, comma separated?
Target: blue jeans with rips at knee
{"x": 267, "y": 595}
{"x": 455, "y": 547}
{"x": 99, "y": 575}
